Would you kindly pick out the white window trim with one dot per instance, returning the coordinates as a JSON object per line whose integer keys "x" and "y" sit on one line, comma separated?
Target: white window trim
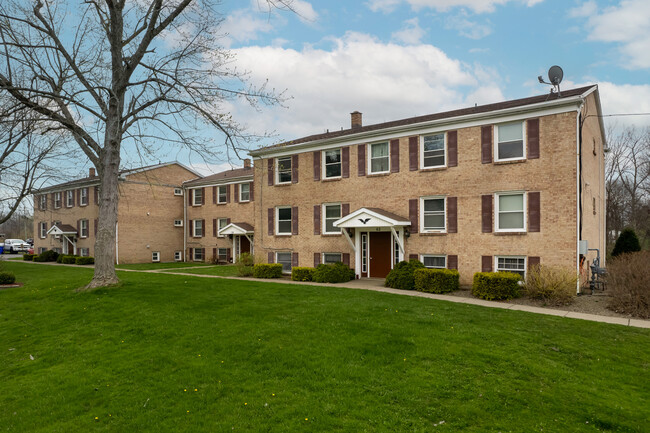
{"x": 225, "y": 195}
{"x": 194, "y": 259}
{"x": 42, "y": 230}
{"x": 496, "y": 263}
{"x": 178, "y": 223}
{"x": 81, "y": 228}
{"x": 241, "y": 200}
{"x": 496, "y": 212}
{"x": 178, "y": 191}
{"x": 369, "y": 158}
{"x": 219, "y": 227}
{"x": 155, "y": 256}
{"x": 225, "y": 253}
{"x": 277, "y": 221}
{"x": 60, "y": 200}
{"x": 200, "y": 222}
{"x": 422, "y": 256}
{"x": 83, "y": 200}
{"x": 69, "y": 194}
{"x": 42, "y": 202}
{"x": 323, "y": 163}
{"x": 178, "y": 256}
{"x": 277, "y": 170}
{"x": 194, "y": 203}
{"x": 421, "y": 149}
{"x": 290, "y": 260}
{"x": 324, "y": 218}
{"x": 495, "y": 150}
{"x": 435, "y": 197}
{"x": 338, "y": 254}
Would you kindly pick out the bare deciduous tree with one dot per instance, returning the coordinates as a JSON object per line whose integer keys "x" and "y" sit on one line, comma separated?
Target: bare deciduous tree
{"x": 112, "y": 73}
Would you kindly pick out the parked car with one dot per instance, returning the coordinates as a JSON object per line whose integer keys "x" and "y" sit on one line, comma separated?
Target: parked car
{"x": 30, "y": 250}
{"x": 30, "y": 241}
{"x": 15, "y": 246}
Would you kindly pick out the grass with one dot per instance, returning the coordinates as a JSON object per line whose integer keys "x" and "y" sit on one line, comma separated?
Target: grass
{"x": 219, "y": 270}
{"x": 184, "y": 354}
{"x": 153, "y": 266}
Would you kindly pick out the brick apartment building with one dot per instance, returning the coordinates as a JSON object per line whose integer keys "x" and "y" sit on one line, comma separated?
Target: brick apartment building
{"x": 219, "y": 215}
{"x": 494, "y": 187}
{"x": 150, "y": 215}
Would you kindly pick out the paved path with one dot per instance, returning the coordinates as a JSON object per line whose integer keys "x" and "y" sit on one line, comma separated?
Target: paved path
{"x": 376, "y": 284}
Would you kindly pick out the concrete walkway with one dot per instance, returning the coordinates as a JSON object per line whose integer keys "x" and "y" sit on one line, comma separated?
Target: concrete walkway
{"x": 376, "y": 284}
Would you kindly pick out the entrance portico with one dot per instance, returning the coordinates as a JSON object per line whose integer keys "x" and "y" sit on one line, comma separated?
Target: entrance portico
{"x": 67, "y": 235}
{"x": 242, "y": 238}
{"x": 378, "y": 241}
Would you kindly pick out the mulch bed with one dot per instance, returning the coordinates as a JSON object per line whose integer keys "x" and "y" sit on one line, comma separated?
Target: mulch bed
{"x": 10, "y": 286}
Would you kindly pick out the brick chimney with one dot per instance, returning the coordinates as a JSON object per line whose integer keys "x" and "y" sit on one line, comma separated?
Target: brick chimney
{"x": 355, "y": 118}
{"x": 91, "y": 172}
{"x": 247, "y": 163}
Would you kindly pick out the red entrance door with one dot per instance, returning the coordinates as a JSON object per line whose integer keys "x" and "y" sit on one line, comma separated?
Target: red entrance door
{"x": 379, "y": 256}
{"x": 245, "y": 245}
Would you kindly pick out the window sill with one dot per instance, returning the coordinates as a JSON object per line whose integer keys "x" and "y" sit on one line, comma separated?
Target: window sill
{"x": 331, "y": 179}
{"x": 428, "y": 169}
{"x": 386, "y": 173}
{"x": 330, "y": 235}
{"x": 514, "y": 161}
{"x": 433, "y": 233}
{"x": 510, "y": 233}
{"x": 221, "y": 203}
{"x": 283, "y": 235}
{"x": 244, "y": 201}
{"x": 284, "y": 184}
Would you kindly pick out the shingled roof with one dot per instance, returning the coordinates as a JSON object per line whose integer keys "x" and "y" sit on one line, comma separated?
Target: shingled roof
{"x": 222, "y": 176}
{"x": 436, "y": 116}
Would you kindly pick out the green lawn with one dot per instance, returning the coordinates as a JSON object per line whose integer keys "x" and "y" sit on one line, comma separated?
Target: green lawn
{"x": 186, "y": 354}
{"x": 219, "y": 270}
{"x": 152, "y": 266}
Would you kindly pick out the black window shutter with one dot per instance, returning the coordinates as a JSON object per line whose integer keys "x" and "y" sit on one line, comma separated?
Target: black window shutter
{"x": 532, "y": 128}
{"x": 214, "y": 195}
{"x": 189, "y": 197}
{"x": 413, "y": 256}
{"x": 345, "y": 209}
{"x": 294, "y": 220}
{"x": 270, "y": 257}
{"x": 202, "y": 195}
{"x": 317, "y": 158}
{"x": 191, "y": 223}
{"x": 486, "y": 263}
{"x": 96, "y": 194}
{"x": 214, "y": 227}
{"x": 251, "y": 189}
{"x": 236, "y": 192}
{"x": 533, "y": 261}
{"x": 317, "y": 210}
{"x": 413, "y": 214}
{"x": 346, "y": 259}
{"x": 486, "y": 213}
{"x": 452, "y": 214}
{"x": 228, "y": 255}
{"x": 316, "y": 259}
{"x": 191, "y": 255}
{"x": 361, "y": 160}
{"x": 215, "y": 259}
{"x": 202, "y": 228}
{"x": 271, "y": 221}
{"x": 270, "y": 173}
{"x": 294, "y": 169}
{"x": 452, "y": 148}
{"x": 294, "y": 259}
{"x": 533, "y": 212}
{"x": 452, "y": 262}
{"x": 486, "y": 144}
{"x": 345, "y": 162}
{"x": 227, "y": 193}
{"x": 95, "y": 226}
{"x": 413, "y": 153}
{"x": 227, "y": 221}
{"x": 394, "y": 156}
{"x": 78, "y": 198}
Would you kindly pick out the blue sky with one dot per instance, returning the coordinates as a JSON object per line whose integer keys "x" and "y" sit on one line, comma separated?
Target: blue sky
{"x": 393, "y": 59}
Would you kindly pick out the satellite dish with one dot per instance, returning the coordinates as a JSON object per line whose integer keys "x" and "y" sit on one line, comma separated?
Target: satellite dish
{"x": 555, "y": 75}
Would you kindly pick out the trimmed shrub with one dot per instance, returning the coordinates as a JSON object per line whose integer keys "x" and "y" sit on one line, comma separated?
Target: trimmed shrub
{"x": 496, "y": 285}
{"x": 245, "y": 265}
{"x": 84, "y": 261}
{"x": 436, "y": 280}
{"x": 333, "y": 273}
{"x": 28, "y": 257}
{"x": 302, "y": 273}
{"x": 46, "y": 256}
{"x": 627, "y": 242}
{"x": 628, "y": 281}
{"x": 7, "y": 278}
{"x": 69, "y": 260}
{"x": 555, "y": 286}
{"x": 267, "y": 270}
{"x": 401, "y": 276}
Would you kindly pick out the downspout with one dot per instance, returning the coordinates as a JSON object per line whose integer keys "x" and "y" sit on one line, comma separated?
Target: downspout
{"x": 578, "y": 191}
{"x": 184, "y": 225}
{"x": 117, "y": 249}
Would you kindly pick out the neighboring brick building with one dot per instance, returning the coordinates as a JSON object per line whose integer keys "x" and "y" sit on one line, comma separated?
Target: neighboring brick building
{"x": 219, "y": 215}
{"x": 150, "y": 215}
{"x": 494, "y": 187}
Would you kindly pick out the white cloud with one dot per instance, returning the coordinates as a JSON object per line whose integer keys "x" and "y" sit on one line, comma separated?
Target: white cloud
{"x": 411, "y": 32}
{"x": 586, "y": 9}
{"x": 385, "y": 81}
{"x": 625, "y": 99}
{"x": 627, "y": 24}
{"x": 244, "y": 26}
{"x": 304, "y": 10}
{"x": 467, "y": 28}
{"x": 478, "y": 6}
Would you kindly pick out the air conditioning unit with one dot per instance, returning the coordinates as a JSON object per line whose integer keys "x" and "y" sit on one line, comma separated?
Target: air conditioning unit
{"x": 178, "y": 223}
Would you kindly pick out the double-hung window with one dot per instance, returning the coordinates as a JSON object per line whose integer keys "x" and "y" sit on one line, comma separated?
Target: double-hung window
{"x": 516, "y": 264}
{"x": 155, "y": 256}
{"x": 198, "y": 228}
{"x": 57, "y": 200}
{"x": 42, "y": 228}
{"x": 178, "y": 256}
{"x": 509, "y": 141}
{"x": 197, "y": 197}
{"x": 198, "y": 254}
{"x": 222, "y": 222}
{"x": 84, "y": 252}
{"x": 332, "y": 258}
{"x": 332, "y": 213}
{"x": 284, "y": 258}
{"x": 83, "y": 197}
{"x": 433, "y": 150}
{"x": 379, "y": 158}
{"x": 42, "y": 205}
{"x": 69, "y": 198}
{"x": 510, "y": 214}
{"x": 332, "y": 163}
{"x": 222, "y": 194}
{"x": 83, "y": 225}
{"x": 245, "y": 192}
{"x": 283, "y": 220}
{"x": 284, "y": 169}
{"x": 433, "y": 214}
{"x": 434, "y": 261}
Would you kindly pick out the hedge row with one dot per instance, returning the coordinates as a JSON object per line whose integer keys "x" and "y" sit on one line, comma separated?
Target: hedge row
{"x": 333, "y": 273}
{"x": 267, "y": 270}
{"x": 436, "y": 280}
{"x": 496, "y": 285}
{"x": 29, "y": 257}
{"x": 302, "y": 273}
{"x": 7, "y": 278}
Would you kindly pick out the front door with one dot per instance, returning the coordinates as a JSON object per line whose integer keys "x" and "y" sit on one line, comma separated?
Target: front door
{"x": 245, "y": 245}
{"x": 380, "y": 252}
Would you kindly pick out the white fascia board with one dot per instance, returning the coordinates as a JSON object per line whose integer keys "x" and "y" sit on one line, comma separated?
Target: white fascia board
{"x": 500, "y": 116}
{"x": 238, "y": 180}
{"x": 376, "y": 220}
